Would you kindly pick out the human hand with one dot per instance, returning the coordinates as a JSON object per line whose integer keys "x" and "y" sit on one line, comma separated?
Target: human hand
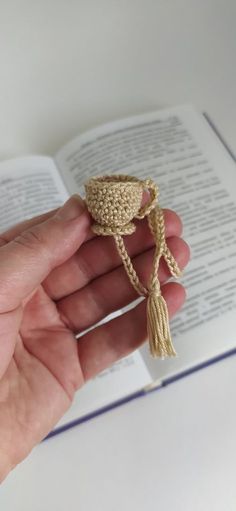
{"x": 57, "y": 279}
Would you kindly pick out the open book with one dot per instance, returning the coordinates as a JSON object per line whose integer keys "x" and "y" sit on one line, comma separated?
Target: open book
{"x": 196, "y": 174}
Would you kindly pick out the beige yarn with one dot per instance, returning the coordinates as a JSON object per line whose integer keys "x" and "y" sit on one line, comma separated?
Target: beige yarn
{"x": 114, "y": 201}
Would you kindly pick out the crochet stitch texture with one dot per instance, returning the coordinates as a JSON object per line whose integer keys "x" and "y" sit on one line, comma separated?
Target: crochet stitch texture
{"x": 114, "y": 201}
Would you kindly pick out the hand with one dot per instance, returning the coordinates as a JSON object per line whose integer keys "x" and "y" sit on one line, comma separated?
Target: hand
{"x": 57, "y": 279}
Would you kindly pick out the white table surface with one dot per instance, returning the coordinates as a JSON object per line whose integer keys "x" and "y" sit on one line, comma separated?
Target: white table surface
{"x": 65, "y": 67}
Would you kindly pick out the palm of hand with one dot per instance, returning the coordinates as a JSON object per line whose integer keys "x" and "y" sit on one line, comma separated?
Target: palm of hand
{"x": 43, "y": 364}
{"x": 41, "y": 378}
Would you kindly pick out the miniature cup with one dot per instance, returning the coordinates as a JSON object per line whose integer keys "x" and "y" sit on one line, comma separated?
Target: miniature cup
{"x": 114, "y": 201}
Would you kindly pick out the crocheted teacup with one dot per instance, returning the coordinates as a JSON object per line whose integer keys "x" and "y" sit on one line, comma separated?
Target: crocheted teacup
{"x": 114, "y": 201}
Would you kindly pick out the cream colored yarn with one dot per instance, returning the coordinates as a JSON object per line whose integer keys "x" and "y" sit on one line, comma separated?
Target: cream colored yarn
{"x": 114, "y": 201}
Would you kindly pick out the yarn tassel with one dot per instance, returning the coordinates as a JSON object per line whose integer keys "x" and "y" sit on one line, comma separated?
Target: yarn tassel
{"x": 158, "y": 326}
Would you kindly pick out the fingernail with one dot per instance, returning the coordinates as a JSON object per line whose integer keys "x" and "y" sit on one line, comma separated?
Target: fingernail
{"x": 72, "y": 208}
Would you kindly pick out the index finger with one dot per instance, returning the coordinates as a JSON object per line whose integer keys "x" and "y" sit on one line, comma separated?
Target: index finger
{"x": 14, "y": 231}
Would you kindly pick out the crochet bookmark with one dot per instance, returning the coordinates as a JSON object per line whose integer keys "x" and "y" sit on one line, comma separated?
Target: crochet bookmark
{"x": 114, "y": 201}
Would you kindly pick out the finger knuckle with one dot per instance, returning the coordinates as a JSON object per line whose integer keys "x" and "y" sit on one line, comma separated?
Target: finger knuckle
{"x": 33, "y": 240}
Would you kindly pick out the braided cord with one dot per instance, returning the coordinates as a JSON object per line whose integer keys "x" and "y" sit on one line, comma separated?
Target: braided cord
{"x": 149, "y": 185}
{"x": 171, "y": 263}
{"x": 157, "y": 226}
{"x": 141, "y": 290}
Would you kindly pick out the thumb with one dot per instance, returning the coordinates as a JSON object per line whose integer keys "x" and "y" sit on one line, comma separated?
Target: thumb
{"x": 27, "y": 260}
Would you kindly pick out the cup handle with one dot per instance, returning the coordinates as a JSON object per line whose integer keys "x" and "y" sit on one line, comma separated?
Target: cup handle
{"x": 149, "y": 185}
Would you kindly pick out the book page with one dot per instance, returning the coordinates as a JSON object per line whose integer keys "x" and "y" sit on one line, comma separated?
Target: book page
{"x": 29, "y": 186}
{"x": 196, "y": 177}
